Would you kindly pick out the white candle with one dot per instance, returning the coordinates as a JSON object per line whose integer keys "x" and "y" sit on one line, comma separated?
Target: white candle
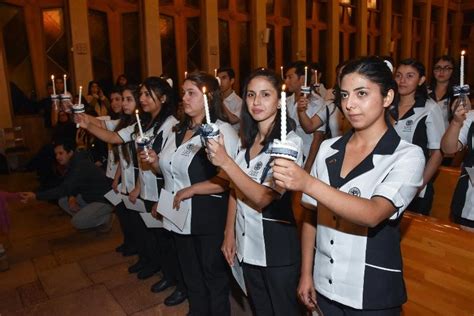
{"x": 305, "y": 76}
{"x": 282, "y": 74}
{"x": 315, "y": 77}
{"x": 65, "y": 85}
{"x": 461, "y": 70}
{"x": 215, "y": 72}
{"x": 54, "y": 86}
{"x": 185, "y": 74}
{"x": 80, "y": 95}
{"x": 139, "y": 124}
{"x": 283, "y": 114}
{"x": 206, "y": 106}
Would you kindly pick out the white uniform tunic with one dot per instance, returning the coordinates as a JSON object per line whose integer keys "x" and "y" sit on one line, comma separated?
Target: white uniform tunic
{"x": 358, "y": 266}
{"x": 234, "y": 103}
{"x": 267, "y": 238}
{"x": 422, "y": 125}
{"x": 111, "y": 165}
{"x": 129, "y": 170}
{"x": 184, "y": 164}
{"x": 315, "y": 107}
{"x": 444, "y": 104}
{"x": 462, "y": 204}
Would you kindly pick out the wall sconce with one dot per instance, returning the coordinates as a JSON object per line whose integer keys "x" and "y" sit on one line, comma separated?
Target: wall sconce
{"x": 265, "y": 35}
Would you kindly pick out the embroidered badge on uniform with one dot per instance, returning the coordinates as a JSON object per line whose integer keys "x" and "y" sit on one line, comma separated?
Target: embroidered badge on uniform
{"x": 354, "y": 191}
{"x": 408, "y": 126}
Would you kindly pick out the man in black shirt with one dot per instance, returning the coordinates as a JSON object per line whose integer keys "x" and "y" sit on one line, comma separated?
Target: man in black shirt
{"x": 81, "y": 194}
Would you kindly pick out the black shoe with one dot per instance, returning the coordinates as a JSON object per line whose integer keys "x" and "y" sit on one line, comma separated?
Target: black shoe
{"x": 147, "y": 271}
{"x": 161, "y": 285}
{"x": 137, "y": 267}
{"x": 120, "y": 248}
{"x": 177, "y": 297}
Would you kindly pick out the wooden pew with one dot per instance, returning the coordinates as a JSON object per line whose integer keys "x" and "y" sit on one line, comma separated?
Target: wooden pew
{"x": 444, "y": 185}
{"x": 438, "y": 259}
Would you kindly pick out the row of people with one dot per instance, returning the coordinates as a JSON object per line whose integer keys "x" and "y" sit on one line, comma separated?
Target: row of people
{"x": 236, "y": 196}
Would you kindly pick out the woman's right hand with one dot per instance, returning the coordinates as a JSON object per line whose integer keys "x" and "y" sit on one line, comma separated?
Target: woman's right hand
{"x": 148, "y": 157}
{"x": 228, "y": 248}
{"x": 132, "y": 196}
{"x": 306, "y": 292}
{"x": 154, "y": 211}
{"x": 115, "y": 184}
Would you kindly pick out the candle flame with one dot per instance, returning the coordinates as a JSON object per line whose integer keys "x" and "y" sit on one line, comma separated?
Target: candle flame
{"x": 283, "y": 87}
{"x": 204, "y": 89}
{"x": 52, "y": 77}
{"x": 463, "y": 52}
{"x": 136, "y": 111}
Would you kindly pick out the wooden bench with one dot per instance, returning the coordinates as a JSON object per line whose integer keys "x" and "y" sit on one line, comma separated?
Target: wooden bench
{"x": 438, "y": 259}
{"x": 444, "y": 185}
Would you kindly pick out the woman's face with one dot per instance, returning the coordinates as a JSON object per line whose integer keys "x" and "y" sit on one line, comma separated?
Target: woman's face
{"x": 116, "y": 102}
{"x": 362, "y": 101}
{"x": 94, "y": 88}
{"x": 408, "y": 79}
{"x": 149, "y": 101}
{"x": 63, "y": 117}
{"x": 128, "y": 102}
{"x": 262, "y": 100}
{"x": 193, "y": 99}
{"x": 442, "y": 71}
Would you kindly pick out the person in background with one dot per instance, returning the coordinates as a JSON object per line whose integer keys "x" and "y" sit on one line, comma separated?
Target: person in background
{"x": 232, "y": 102}
{"x": 121, "y": 81}
{"x": 418, "y": 120}
{"x": 96, "y": 99}
{"x": 81, "y": 193}
{"x": 460, "y": 135}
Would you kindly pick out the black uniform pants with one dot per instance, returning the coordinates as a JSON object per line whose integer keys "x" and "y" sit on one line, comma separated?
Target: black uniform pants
{"x": 169, "y": 258}
{"x": 329, "y": 307}
{"x": 205, "y": 273}
{"x": 272, "y": 290}
{"x": 128, "y": 222}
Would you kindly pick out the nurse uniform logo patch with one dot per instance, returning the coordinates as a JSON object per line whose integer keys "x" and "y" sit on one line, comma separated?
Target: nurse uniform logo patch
{"x": 254, "y": 173}
{"x": 354, "y": 191}
{"x": 188, "y": 150}
{"x": 408, "y": 126}
{"x": 258, "y": 166}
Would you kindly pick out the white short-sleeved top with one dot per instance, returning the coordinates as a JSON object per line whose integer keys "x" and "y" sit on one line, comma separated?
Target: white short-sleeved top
{"x": 268, "y": 237}
{"x": 315, "y": 107}
{"x": 234, "y": 103}
{"x": 149, "y": 189}
{"x": 183, "y": 164}
{"x": 358, "y": 266}
{"x": 111, "y": 165}
{"x": 422, "y": 125}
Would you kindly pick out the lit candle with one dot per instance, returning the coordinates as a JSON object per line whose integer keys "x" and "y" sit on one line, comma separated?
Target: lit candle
{"x": 54, "y": 86}
{"x": 305, "y": 76}
{"x": 139, "y": 124}
{"x": 461, "y": 70}
{"x": 80, "y": 95}
{"x": 185, "y": 74}
{"x": 282, "y": 74}
{"x": 315, "y": 77}
{"x": 65, "y": 85}
{"x": 283, "y": 114}
{"x": 206, "y": 106}
{"x": 215, "y": 72}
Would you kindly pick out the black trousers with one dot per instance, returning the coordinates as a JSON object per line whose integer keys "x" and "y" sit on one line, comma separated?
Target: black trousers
{"x": 169, "y": 258}
{"x": 128, "y": 221}
{"x": 329, "y": 307}
{"x": 272, "y": 290}
{"x": 205, "y": 273}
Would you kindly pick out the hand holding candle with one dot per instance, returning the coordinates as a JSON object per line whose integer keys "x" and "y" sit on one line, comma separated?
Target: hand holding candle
{"x": 79, "y": 107}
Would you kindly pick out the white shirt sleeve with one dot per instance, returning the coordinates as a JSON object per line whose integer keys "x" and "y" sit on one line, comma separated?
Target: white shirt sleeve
{"x": 402, "y": 182}
{"x": 434, "y": 126}
{"x": 126, "y": 133}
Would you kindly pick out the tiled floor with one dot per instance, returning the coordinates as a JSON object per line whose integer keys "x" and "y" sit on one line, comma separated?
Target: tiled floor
{"x": 55, "y": 270}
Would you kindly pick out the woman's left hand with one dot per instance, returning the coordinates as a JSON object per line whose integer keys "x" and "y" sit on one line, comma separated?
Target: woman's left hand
{"x": 289, "y": 175}
{"x": 181, "y": 195}
{"x": 216, "y": 152}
